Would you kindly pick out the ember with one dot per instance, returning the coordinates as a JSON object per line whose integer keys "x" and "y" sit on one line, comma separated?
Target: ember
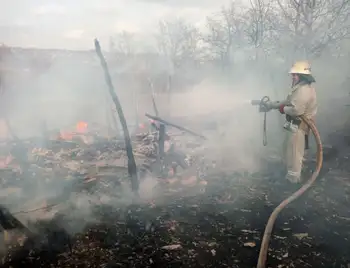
{"x": 82, "y": 127}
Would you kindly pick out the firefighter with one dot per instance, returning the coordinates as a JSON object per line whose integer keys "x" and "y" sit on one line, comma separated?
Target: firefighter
{"x": 300, "y": 101}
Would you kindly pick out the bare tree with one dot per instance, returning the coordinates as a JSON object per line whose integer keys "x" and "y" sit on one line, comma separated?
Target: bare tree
{"x": 261, "y": 27}
{"x": 179, "y": 42}
{"x": 315, "y": 24}
{"x": 225, "y": 33}
{"x": 123, "y": 43}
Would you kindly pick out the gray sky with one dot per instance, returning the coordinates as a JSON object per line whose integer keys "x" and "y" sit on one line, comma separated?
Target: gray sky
{"x": 74, "y": 24}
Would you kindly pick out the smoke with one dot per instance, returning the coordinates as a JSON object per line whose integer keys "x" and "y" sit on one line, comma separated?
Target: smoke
{"x": 62, "y": 95}
{"x": 236, "y": 142}
{"x": 73, "y": 89}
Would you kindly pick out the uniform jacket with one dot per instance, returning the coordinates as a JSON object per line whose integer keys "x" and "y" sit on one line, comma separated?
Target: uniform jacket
{"x": 301, "y": 101}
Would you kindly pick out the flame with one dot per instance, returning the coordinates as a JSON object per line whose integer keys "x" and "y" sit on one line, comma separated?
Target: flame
{"x": 81, "y": 127}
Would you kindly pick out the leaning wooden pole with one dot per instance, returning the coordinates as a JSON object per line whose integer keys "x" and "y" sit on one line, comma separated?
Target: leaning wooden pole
{"x": 131, "y": 159}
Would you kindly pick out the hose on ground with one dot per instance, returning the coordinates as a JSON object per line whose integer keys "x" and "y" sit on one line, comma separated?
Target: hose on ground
{"x": 269, "y": 226}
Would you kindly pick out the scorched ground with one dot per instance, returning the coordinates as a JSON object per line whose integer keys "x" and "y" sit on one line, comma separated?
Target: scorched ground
{"x": 218, "y": 223}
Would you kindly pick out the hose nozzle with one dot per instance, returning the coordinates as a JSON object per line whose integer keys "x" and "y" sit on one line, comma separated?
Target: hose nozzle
{"x": 255, "y": 102}
{"x": 263, "y": 104}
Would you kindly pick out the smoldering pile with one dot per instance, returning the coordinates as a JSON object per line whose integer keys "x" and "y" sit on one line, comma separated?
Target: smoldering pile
{"x": 137, "y": 235}
{"x": 89, "y": 159}
{"x": 46, "y": 175}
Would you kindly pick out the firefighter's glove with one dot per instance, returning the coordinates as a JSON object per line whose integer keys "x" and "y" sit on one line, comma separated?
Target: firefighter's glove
{"x": 281, "y": 108}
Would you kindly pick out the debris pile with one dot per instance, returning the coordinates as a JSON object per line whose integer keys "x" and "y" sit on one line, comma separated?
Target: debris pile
{"x": 185, "y": 231}
{"x": 85, "y": 157}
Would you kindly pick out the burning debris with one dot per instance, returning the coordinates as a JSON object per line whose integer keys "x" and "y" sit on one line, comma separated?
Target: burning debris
{"x": 193, "y": 228}
{"x": 86, "y": 154}
{"x": 89, "y": 165}
{"x": 84, "y": 162}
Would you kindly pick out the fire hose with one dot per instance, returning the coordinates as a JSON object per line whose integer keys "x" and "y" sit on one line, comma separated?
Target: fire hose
{"x": 319, "y": 160}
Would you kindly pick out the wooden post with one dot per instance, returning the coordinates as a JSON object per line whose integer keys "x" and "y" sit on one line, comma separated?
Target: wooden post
{"x": 132, "y": 169}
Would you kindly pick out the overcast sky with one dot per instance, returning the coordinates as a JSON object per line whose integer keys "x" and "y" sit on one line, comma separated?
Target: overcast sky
{"x": 73, "y": 24}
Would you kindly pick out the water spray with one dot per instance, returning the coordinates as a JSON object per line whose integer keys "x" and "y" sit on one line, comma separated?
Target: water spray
{"x": 264, "y": 106}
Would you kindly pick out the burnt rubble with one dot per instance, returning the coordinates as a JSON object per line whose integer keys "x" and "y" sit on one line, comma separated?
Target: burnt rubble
{"x": 202, "y": 216}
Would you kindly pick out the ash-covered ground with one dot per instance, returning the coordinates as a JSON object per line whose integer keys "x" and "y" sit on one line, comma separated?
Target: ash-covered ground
{"x": 215, "y": 220}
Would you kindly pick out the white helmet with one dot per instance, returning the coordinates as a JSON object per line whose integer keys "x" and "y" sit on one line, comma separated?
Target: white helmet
{"x": 301, "y": 67}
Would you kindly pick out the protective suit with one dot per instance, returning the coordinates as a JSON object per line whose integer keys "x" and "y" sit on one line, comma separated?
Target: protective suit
{"x": 300, "y": 101}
